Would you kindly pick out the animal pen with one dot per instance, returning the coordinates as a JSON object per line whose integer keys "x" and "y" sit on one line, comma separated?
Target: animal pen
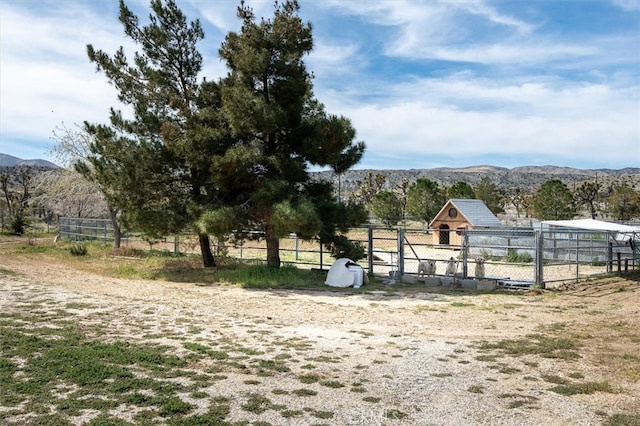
{"x": 510, "y": 257}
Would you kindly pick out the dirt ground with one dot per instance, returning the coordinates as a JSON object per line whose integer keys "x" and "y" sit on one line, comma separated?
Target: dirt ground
{"x": 435, "y": 357}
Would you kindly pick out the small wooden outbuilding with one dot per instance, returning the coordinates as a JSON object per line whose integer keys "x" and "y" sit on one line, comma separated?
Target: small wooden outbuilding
{"x": 458, "y": 214}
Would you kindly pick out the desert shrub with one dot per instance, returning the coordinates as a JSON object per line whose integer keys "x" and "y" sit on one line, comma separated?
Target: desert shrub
{"x": 341, "y": 247}
{"x": 78, "y": 249}
{"x": 519, "y": 257}
{"x": 19, "y": 224}
{"x": 486, "y": 255}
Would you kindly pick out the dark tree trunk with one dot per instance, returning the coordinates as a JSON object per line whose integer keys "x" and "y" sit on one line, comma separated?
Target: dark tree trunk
{"x": 205, "y": 248}
{"x": 117, "y": 231}
{"x": 273, "y": 248}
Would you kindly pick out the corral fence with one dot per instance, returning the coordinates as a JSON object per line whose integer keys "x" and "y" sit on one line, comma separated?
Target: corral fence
{"x": 507, "y": 257}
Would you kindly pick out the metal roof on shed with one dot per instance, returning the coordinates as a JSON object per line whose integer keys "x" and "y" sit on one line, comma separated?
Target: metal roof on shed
{"x": 476, "y": 212}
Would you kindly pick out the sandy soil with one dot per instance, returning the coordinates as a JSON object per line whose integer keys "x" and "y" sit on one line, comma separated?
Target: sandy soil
{"x": 416, "y": 351}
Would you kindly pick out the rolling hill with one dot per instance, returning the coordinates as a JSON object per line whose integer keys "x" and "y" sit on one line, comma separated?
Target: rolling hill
{"x": 518, "y": 177}
{"x": 7, "y": 160}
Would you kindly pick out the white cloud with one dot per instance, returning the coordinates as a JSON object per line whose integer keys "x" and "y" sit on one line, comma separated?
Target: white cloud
{"x": 335, "y": 59}
{"x": 46, "y": 75}
{"x": 506, "y": 53}
{"x": 473, "y": 118}
{"x": 629, "y": 5}
{"x": 474, "y": 32}
{"x": 523, "y": 91}
{"x": 33, "y": 106}
{"x": 480, "y": 8}
{"x": 222, "y": 14}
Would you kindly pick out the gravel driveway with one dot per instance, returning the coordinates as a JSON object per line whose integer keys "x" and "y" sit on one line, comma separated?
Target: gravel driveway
{"x": 414, "y": 358}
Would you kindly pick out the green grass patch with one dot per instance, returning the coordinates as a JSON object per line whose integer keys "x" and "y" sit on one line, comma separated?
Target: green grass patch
{"x": 332, "y": 384}
{"x": 621, "y": 419}
{"x": 517, "y": 403}
{"x": 536, "y": 344}
{"x": 206, "y": 351}
{"x": 304, "y": 392}
{"x": 287, "y": 414}
{"x": 486, "y": 358}
{"x": 61, "y": 373}
{"x": 568, "y": 387}
{"x": 476, "y": 389}
{"x": 36, "y": 249}
{"x": 264, "y": 277}
{"x": 584, "y": 388}
{"x": 257, "y": 404}
{"x": 395, "y": 414}
{"x": 321, "y": 414}
{"x": 461, "y": 304}
{"x": 273, "y": 365}
{"x": 309, "y": 378}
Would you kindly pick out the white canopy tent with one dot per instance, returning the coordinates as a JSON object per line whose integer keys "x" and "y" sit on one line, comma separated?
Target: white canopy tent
{"x": 623, "y": 232}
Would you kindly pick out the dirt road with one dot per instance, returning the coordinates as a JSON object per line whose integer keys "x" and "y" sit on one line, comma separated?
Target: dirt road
{"x": 394, "y": 358}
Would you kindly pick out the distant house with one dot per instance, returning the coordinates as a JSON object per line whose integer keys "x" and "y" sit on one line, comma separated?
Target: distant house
{"x": 458, "y": 214}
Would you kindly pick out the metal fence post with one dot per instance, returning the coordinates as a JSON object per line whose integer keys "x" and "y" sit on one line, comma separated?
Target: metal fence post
{"x": 465, "y": 252}
{"x": 400, "y": 252}
{"x": 370, "y": 248}
{"x": 577, "y": 256}
{"x": 539, "y": 274}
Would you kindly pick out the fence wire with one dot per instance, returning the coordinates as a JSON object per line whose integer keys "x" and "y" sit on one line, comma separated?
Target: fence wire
{"x": 511, "y": 257}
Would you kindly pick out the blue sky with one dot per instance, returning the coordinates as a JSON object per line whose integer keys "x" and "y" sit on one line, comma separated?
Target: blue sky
{"x": 433, "y": 83}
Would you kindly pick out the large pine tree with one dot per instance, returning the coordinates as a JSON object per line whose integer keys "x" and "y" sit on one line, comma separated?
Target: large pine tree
{"x": 281, "y": 128}
{"x": 221, "y": 156}
{"x": 159, "y": 162}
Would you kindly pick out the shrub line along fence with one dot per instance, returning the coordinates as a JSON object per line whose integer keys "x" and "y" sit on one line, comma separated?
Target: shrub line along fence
{"x": 512, "y": 257}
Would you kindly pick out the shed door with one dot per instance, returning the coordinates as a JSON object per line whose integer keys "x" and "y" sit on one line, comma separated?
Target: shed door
{"x": 444, "y": 234}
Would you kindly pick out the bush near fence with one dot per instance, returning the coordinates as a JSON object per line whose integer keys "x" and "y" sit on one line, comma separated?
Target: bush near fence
{"x": 37, "y": 220}
{"x": 517, "y": 255}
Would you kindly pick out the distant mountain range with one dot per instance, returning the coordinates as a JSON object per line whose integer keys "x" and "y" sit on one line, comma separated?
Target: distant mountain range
{"x": 518, "y": 177}
{"x": 7, "y": 160}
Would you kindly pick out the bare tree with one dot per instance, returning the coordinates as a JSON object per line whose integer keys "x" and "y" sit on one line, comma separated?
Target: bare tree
{"x": 68, "y": 193}
{"x": 368, "y": 188}
{"x": 8, "y": 196}
{"x": 72, "y": 150}
{"x": 587, "y": 195}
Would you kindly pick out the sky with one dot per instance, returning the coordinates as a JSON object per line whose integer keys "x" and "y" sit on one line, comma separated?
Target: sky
{"x": 426, "y": 83}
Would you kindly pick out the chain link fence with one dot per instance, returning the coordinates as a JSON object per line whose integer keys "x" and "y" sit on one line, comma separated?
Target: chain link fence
{"x": 507, "y": 257}
{"x": 577, "y": 255}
